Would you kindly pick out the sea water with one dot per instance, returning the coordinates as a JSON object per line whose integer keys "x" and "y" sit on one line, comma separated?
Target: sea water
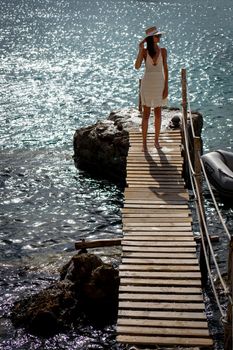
{"x": 66, "y": 64}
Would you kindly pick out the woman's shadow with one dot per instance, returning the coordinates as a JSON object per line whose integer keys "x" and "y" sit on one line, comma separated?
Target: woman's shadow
{"x": 167, "y": 174}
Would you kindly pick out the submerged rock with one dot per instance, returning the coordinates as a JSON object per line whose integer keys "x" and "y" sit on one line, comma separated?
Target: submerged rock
{"x": 102, "y": 148}
{"x": 88, "y": 289}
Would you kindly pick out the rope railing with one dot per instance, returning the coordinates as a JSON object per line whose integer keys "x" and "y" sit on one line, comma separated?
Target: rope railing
{"x": 214, "y": 200}
{"x": 201, "y": 217}
{"x": 203, "y": 169}
{"x": 226, "y": 231}
{"x": 195, "y": 185}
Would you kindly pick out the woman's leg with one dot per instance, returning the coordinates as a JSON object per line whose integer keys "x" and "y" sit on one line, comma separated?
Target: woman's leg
{"x": 157, "y": 113}
{"x": 145, "y": 119}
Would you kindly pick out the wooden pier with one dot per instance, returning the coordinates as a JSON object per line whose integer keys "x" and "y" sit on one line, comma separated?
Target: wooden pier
{"x": 160, "y": 295}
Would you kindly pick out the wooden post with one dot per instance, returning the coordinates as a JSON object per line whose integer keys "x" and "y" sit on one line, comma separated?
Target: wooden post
{"x": 184, "y": 124}
{"x": 139, "y": 97}
{"x": 197, "y": 169}
{"x": 97, "y": 243}
{"x": 197, "y": 163}
{"x": 228, "y": 323}
{"x": 184, "y": 95}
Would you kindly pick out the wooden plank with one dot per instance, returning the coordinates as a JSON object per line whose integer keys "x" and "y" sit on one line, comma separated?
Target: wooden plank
{"x": 170, "y": 243}
{"x": 160, "y": 186}
{"x": 161, "y": 297}
{"x": 159, "y": 255}
{"x": 155, "y": 219}
{"x": 152, "y": 340}
{"x": 161, "y": 274}
{"x": 159, "y": 232}
{"x": 163, "y": 315}
{"x": 160, "y": 282}
{"x": 161, "y": 289}
{"x": 156, "y": 238}
{"x": 158, "y": 228}
{"x": 153, "y": 189}
{"x": 163, "y": 331}
{"x": 83, "y": 244}
{"x": 167, "y": 149}
{"x": 155, "y": 156}
{"x": 159, "y": 249}
{"x": 159, "y": 261}
{"x": 165, "y": 202}
{"x": 154, "y": 195}
{"x": 131, "y": 184}
{"x": 163, "y": 306}
{"x": 140, "y": 213}
{"x": 145, "y": 184}
{"x": 156, "y": 267}
{"x": 156, "y": 173}
{"x": 156, "y": 224}
{"x": 174, "y": 306}
{"x": 155, "y": 206}
{"x": 146, "y": 168}
{"x": 162, "y": 323}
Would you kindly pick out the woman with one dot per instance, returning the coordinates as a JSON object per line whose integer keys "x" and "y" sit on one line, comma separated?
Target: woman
{"x": 154, "y": 85}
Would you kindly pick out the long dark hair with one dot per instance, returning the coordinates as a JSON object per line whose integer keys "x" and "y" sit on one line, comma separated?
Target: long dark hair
{"x": 150, "y": 46}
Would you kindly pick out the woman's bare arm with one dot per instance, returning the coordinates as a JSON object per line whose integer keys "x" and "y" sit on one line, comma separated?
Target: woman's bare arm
{"x": 165, "y": 67}
{"x": 140, "y": 56}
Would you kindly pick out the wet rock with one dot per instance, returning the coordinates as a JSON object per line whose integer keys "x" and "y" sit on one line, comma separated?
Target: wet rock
{"x": 79, "y": 269}
{"x": 102, "y": 149}
{"x": 100, "y": 295}
{"x": 88, "y": 289}
{"x": 46, "y": 312}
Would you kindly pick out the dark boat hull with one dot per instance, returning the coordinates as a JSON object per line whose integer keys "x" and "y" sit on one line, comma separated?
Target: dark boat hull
{"x": 219, "y": 169}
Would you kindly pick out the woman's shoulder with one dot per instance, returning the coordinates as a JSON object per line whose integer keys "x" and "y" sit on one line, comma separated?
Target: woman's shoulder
{"x": 164, "y": 52}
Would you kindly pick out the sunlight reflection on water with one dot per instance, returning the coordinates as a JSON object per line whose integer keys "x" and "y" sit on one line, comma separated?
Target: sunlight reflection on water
{"x": 64, "y": 65}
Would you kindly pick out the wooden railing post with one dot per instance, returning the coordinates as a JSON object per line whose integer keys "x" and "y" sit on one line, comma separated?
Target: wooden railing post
{"x": 139, "y": 97}
{"x": 184, "y": 123}
{"x": 197, "y": 163}
{"x": 184, "y": 95}
{"x": 228, "y": 324}
{"x": 197, "y": 169}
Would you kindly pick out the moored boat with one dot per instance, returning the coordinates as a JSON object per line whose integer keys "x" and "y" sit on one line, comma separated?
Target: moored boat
{"x": 219, "y": 169}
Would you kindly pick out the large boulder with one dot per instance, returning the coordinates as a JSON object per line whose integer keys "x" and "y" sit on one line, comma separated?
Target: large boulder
{"x": 88, "y": 289}
{"x": 102, "y": 148}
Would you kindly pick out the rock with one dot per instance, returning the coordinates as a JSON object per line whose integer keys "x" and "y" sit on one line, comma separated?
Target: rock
{"x": 102, "y": 148}
{"x": 101, "y": 297}
{"x": 46, "y": 312}
{"x": 79, "y": 269}
{"x": 88, "y": 288}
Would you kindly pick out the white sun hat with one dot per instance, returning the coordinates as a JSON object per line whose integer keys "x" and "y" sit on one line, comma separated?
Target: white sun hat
{"x": 153, "y": 31}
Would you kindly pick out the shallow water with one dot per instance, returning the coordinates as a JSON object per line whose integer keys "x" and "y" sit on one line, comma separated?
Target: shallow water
{"x": 64, "y": 65}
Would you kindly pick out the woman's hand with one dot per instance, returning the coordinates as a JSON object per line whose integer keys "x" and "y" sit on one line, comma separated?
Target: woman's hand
{"x": 141, "y": 44}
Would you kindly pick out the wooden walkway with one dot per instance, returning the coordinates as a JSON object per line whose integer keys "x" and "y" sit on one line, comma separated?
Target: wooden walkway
{"x": 160, "y": 296}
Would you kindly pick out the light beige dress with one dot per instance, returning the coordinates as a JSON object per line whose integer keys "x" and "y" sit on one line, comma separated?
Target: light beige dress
{"x": 152, "y": 84}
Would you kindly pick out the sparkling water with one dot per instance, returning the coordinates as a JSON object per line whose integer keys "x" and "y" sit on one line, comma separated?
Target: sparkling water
{"x": 64, "y": 65}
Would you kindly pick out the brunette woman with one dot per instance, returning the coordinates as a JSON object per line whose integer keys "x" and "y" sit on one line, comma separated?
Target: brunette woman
{"x": 154, "y": 84}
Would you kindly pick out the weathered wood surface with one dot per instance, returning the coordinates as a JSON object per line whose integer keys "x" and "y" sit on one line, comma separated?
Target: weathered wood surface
{"x": 160, "y": 297}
